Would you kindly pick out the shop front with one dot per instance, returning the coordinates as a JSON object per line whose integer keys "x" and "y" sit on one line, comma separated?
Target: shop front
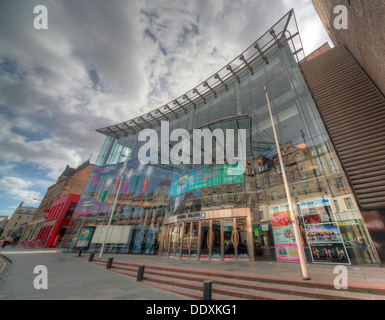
{"x": 213, "y": 235}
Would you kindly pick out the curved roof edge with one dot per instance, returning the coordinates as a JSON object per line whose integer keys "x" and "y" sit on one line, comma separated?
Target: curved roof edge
{"x": 286, "y": 28}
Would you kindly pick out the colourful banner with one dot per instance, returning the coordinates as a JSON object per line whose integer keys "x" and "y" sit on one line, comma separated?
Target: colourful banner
{"x": 210, "y": 177}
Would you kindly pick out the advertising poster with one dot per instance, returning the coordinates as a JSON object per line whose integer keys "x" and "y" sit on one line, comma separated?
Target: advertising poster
{"x": 329, "y": 253}
{"x": 287, "y": 252}
{"x": 323, "y": 233}
{"x": 85, "y": 238}
{"x": 285, "y": 244}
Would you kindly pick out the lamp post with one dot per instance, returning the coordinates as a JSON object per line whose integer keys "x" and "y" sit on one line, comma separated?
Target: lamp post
{"x": 113, "y": 208}
{"x": 288, "y": 195}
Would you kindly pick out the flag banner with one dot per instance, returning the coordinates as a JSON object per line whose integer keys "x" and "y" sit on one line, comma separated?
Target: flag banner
{"x": 145, "y": 185}
{"x": 117, "y": 183}
{"x": 136, "y": 180}
{"x": 104, "y": 195}
{"x": 125, "y": 187}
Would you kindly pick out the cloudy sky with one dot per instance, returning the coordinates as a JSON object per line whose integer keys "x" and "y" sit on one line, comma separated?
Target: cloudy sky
{"x": 104, "y": 62}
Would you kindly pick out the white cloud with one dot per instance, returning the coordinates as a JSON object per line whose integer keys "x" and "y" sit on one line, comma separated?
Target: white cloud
{"x": 100, "y": 63}
{"x": 19, "y": 189}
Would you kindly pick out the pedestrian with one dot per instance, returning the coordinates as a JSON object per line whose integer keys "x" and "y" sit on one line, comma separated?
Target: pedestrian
{"x": 6, "y": 240}
{"x": 15, "y": 241}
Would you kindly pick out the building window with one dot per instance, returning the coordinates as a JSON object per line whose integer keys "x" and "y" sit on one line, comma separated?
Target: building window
{"x": 340, "y": 183}
{"x": 306, "y": 188}
{"x": 303, "y": 174}
{"x": 349, "y": 203}
{"x": 274, "y": 195}
{"x": 337, "y": 205}
{"x": 261, "y": 215}
{"x": 333, "y": 165}
{"x": 298, "y": 157}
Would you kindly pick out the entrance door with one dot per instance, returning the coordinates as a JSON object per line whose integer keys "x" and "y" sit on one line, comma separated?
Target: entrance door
{"x": 206, "y": 239}
{"x": 217, "y": 239}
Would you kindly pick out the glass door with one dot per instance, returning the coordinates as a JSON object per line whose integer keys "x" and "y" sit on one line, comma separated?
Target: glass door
{"x": 194, "y": 240}
{"x": 217, "y": 239}
{"x": 206, "y": 240}
{"x": 242, "y": 238}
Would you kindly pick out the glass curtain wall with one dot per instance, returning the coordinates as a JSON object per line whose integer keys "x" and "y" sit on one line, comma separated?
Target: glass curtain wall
{"x": 330, "y": 222}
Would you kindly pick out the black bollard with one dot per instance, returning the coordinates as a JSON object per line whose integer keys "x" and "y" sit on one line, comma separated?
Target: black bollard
{"x": 91, "y": 256}
{"x": 80, "y": 252}
{"x": 140, "y": 273}
{"x": 207, "y": 290}
{"x": 109, "y": 263}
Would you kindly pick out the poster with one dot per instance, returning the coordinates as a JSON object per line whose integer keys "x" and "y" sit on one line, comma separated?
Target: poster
{"x": 323, "y": 232}
{"x": 329, "y": 253}
{"x": 85, "y": 238}
{"x": 283, "y": 232}
{"x": 287, "y": 252}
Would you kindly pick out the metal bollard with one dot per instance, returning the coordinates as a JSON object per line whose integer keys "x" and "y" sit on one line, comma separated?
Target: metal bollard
{"x": 80, "y": 252}
{"x": 207, "y": 290}
{"x": 91, "y": 256}
{"x": 109, "y": 263}
{"x": 140, "y": 273}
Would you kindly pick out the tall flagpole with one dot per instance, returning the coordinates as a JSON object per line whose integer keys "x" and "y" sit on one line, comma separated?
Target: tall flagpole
{"x": 288, "y": 195}
{"x": 113, "y": 208}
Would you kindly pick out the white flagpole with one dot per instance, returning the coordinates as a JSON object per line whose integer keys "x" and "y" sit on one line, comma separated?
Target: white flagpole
{"x": 113, "y": 208}
{"x": 288, "y": 195}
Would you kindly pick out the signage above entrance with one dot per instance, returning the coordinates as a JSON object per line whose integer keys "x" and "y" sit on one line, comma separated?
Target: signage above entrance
{"x": 213, "y": 214}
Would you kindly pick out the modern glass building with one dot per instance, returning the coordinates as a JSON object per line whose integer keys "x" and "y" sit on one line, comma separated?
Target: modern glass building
{"x": 195, "y": 198}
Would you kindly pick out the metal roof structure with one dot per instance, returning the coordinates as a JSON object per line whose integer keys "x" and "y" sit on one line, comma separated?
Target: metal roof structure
{"x": 285, "y": 28}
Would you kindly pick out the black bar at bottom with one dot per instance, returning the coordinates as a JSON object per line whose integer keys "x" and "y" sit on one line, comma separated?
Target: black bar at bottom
{"x": 91, "y": 256}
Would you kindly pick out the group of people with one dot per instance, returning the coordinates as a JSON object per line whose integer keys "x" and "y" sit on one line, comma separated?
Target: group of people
{"x": 8, "y": 241}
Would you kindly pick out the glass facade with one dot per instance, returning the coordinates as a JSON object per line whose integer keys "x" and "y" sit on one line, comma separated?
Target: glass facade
{"x": 211, "y": 210}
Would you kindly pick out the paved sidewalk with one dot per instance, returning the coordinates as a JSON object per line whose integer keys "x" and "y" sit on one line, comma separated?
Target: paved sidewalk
{"x": 70, "y": 277}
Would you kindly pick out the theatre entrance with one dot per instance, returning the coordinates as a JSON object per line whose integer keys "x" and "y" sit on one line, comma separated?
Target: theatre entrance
{"x": 213, "y": 235}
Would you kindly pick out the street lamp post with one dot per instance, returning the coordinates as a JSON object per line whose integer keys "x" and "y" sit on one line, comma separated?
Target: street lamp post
{"x": 288, "y": 195}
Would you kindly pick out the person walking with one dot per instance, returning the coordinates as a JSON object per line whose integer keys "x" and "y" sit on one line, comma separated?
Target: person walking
{"x": 6, "y": 241}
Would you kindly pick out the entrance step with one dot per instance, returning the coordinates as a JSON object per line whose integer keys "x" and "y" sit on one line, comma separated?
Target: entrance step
{"x": 237, "y": 285}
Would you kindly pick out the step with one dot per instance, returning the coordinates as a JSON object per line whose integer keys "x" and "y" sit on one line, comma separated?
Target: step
{"x": 237, "y": 285}
{"x": 315, "y": 284}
